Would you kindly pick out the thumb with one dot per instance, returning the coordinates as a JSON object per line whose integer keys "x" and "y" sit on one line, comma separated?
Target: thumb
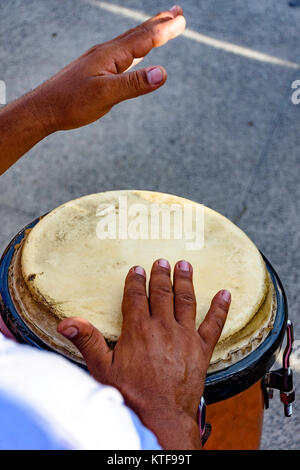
{"x": 138, "y": 82}
{"x": 90, "y": 342}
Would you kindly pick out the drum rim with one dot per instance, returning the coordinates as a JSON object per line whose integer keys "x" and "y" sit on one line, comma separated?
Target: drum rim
{"x": 218, "y": 385}
{"x": 23, "y": 334}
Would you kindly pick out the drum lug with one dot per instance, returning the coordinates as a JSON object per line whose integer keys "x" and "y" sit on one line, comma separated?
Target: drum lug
{"x": 282, "y": 379}
{"x": 204, "y": 427}
{"x": 267, "y": 393}
{"x": 207, "y": 433}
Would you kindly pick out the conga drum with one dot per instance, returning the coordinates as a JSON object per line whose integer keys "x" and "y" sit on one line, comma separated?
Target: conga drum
{"x": 73, "y": 262}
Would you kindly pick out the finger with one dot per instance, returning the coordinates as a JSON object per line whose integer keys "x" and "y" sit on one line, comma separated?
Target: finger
{"x": 139, "y": 41}
{"x": 184, "y": 295}
{"x": 135, "y": 306}
{"x": 174, "y": 11}
{"x": 161, "y": 291}
{"x": 89, "y": 341}
{"x": 132, "y": 84}
{"x": 211, "y": 328}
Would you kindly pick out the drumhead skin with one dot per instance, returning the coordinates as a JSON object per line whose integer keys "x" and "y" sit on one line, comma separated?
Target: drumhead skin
{"x": 64, "y": 268}
{"x": 70, "y": 269}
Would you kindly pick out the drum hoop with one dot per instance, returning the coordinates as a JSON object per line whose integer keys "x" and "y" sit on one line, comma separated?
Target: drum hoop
{"x": 21, "y": 332}
{"x": 219, "y": 385}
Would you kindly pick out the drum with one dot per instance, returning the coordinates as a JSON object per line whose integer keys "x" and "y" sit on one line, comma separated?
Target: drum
{"x": 73, "y": 262}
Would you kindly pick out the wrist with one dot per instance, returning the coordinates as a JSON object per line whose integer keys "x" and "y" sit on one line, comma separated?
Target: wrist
{"x": 23, "y": 123}
{"x": 174, "y": 430}
{"x": 41, "y": 108}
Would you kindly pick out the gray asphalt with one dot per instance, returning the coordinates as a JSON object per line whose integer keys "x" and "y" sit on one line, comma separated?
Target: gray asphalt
{"x": 222, "y": 131}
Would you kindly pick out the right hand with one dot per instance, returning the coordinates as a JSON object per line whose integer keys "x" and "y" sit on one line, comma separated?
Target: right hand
{"x": 160, "y": 361}
{"x": 91, "y": 85}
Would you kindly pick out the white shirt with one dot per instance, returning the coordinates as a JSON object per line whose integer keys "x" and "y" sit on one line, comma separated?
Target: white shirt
{"x": 72, "y": 406}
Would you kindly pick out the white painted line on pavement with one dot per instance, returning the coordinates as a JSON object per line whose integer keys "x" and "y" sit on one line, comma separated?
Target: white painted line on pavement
{"x": 198, "y": 37}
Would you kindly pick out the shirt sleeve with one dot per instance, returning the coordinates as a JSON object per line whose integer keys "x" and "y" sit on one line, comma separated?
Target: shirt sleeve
{"x": 21, "y": 428}
{"x": 59, "y": 405}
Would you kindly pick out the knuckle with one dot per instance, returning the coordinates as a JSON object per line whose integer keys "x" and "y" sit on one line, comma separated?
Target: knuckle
{"x": 93, "y": 49}
{"x": 142, "y": 325}
{"x": 147, "y": 31}
{"x": 220, "y": 306}
{"x": 163, "y": 326}
{"x": 218, "y": 323}
{"x": 123, "y": 56}
{"x": 136, "y": 80}
{"x": 205, "y": 335}
{"x": 131, "y": 31}
{"x": 137, "y": 325}
{"x": 186, "y": 298}
{"x": 135, "y": 292}
{"x": 88, "y": 340}
{"x": 142, "y": 29}
{"x": 212, "y": 329}
{"x": 208, "y": 338}
{"x": 162, "y": 290}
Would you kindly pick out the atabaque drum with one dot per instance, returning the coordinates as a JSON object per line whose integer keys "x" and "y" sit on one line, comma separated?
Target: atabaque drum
{"x": 74, "y": 260}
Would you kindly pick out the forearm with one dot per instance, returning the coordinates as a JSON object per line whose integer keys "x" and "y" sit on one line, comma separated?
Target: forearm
{"x": 23, "y": 123}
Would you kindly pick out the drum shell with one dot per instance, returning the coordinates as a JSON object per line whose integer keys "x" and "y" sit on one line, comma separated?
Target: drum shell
{"x": 237, "y": 422}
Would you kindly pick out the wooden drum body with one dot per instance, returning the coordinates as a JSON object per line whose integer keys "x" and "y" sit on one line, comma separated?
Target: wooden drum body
{"x": 237, "y": 422}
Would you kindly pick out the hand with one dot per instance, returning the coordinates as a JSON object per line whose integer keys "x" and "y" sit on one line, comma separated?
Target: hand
{"x": 160, "y": 361}
{"x": 90, "y": 86}
{"x": 87, "y": 88}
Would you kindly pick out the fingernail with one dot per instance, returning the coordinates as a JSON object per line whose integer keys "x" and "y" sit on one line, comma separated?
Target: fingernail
{"x": 164, "y": 263}
{"x": 139, "y": 270}
{"x": 174, "y": 7}
{"x": 154, "y": 76}
{"x": 184, "y": 265}
{"x": 226, "y": 295}
{"x": 70, "y": 332}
